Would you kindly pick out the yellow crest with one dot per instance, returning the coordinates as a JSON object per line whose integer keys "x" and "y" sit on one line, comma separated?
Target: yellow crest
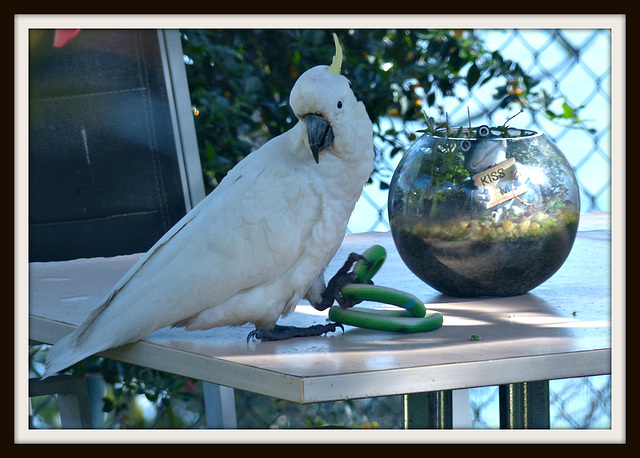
{"x": 336, "y": 64}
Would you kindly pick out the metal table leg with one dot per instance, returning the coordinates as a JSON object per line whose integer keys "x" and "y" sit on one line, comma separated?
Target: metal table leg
{"x": 220, "y": 408}
{"x": 431, "y": 410}
{"x": 525, "y": 405}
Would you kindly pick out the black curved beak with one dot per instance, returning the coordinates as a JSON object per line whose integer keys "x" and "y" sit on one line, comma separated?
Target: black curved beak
{"x": 319, "y": 132}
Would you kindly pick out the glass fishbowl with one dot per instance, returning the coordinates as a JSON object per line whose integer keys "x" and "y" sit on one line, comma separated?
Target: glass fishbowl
{"x": 485, "y": 211}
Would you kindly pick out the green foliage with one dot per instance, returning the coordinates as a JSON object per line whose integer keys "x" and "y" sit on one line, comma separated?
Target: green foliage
{"x": 170, "y": 401}
{"x": 165, "y": 391}
{"x": 240, "y": 82}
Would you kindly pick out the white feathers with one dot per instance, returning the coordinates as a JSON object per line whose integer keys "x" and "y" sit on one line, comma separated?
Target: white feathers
{"x": 253, "y": 247}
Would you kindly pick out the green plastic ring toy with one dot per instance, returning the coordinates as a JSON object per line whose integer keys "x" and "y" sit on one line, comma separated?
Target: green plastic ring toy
{"x": 414, "y": 318}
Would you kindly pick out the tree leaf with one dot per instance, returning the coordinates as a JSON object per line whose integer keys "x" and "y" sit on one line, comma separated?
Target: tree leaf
{"x": 473, "y": 75}
{"x": 567, "y": 111}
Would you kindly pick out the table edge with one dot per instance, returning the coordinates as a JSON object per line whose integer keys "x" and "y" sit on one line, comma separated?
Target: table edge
{"x": 333, "y": 387}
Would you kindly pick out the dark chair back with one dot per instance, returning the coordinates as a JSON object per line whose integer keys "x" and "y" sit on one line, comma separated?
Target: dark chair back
{"x": 113, "y": 159}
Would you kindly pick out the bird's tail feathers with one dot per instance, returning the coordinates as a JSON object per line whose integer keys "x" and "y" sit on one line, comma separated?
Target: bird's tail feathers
{"x": 100, "y": 331}
{"x": 64, "y": 354}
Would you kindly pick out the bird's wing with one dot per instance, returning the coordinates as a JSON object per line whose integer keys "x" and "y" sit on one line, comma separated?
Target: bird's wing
{"x": 247, "y": 232}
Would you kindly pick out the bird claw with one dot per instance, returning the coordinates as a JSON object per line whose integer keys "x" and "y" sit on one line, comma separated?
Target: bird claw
{"x": 341, "y": 278}
{"x": 289, "y": 332}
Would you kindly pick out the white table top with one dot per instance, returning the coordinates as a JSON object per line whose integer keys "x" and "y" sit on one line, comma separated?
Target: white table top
{"x": 560, "y": 329}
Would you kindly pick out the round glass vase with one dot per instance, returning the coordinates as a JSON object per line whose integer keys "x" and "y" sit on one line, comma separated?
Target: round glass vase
{"x": 491, "y": 212}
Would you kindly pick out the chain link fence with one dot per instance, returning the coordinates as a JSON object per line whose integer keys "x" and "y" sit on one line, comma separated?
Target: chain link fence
{"x": 578, "y": 403}
{"x": 574, "y": 66}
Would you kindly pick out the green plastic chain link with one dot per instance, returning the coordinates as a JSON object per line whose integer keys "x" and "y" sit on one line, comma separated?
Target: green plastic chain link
{"x": 414, "y": 318}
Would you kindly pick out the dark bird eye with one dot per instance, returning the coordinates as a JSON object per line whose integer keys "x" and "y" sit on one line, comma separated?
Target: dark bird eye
{"x": 339, "y": 103}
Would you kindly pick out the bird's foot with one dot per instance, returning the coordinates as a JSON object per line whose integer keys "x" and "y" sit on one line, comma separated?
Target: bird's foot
{"x": 341, "y": 278}
{"x": 289, "y": 332}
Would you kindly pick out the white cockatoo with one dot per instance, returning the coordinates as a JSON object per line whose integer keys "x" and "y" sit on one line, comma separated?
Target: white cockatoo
{"x": 258, "y": 243}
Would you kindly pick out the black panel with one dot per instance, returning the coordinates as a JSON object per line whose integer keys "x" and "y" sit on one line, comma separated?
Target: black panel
{"x": 104, "y": 177}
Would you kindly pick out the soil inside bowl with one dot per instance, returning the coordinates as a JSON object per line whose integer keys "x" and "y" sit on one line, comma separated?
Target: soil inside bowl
{"x": 474, "y": 258}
